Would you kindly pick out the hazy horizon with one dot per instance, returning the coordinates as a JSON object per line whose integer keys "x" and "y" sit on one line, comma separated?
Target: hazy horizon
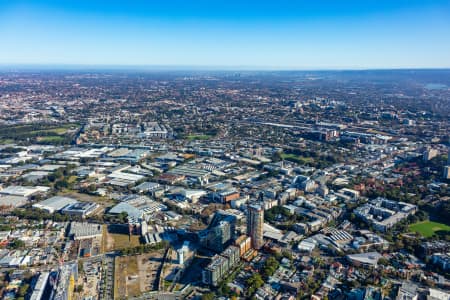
{"x": 228, "y": 34}
{"x": 112, "y": 67}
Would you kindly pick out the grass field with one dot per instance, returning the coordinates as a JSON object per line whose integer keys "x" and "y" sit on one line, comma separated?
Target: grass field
{"x": 193, "y": 137}
{"x": 72, "y": 179}
{"x": 46, "y": 133}
{"x": 428, "y": 228}
{"x": 297, "y": 158}
{"x": 104, "y": 201}
{"x": 50, "y": 138}
{"x": 6, "y": 141}
{"x": 57, "y": 130}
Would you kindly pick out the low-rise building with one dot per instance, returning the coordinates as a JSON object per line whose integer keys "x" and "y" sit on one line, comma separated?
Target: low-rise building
{"x": 367, "y": 260}
{"x": 82, "y": 209}
{"x": 383, "y": 213}
{"x": 55, "y": 203}
{"x": 80, "y": 231}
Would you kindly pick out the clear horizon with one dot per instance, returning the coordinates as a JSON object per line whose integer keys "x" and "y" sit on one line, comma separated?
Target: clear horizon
{"x": 253, "y": 35}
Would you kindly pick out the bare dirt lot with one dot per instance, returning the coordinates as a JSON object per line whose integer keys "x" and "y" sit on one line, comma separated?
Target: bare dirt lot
{"x": 136, "y": 274}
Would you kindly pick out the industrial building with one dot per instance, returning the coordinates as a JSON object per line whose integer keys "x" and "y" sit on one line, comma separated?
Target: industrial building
{"x": 82, "y": 209}
{"x": 55, "y": 203}
{"x": 147, "y": 187}
{"x": 24, "y": 191}
{"x": 10, "y": 201}
{"x": 199, "y": 175}
{"x": 80, "y": 231}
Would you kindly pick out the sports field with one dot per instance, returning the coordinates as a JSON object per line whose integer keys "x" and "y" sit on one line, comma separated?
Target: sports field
{"x": 297, "y": 158}
{"x": 428, "y": 228}
{"x": 193, "y": 137}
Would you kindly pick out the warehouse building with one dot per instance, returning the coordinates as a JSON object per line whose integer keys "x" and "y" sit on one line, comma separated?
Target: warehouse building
{"x": 82, "y": 209}
{"x": 79, "y": 231}
{"x": 55, "y": 203}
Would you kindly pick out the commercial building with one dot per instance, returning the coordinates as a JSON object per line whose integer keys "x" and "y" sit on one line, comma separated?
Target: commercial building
{"x": 367, "y": 260}
{"x": 255, "y": 224}
{"x": 185, "y": 254}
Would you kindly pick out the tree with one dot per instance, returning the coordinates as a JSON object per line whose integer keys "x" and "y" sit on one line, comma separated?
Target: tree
{"x": 276, "y": 156}
{"x": 23, "y": 290}
{"x": 270, "y": 266}
{"x": 62, "y": 184}
{"x": 254, "y": 282}
{"x": 17, "y": 244}
{"x": 209, "y": 296}
{"x": 80, "y": 267}
{"x": 123, "y": 217}
{"x": 79, "y": 288}
{"x": 383, "y": 261}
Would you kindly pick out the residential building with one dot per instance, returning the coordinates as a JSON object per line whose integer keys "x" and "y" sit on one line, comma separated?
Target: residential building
{"x": 255, "y": 223}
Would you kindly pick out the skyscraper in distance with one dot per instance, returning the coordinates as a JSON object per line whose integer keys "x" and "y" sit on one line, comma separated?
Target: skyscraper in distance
{"x": 255, "y": 223}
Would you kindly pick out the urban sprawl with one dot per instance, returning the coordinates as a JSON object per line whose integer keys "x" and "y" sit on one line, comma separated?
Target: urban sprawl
{"x": 225, "y": 185}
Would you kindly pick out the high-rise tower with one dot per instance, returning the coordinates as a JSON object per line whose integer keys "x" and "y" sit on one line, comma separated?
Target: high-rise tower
{"x": 255, "y": 223}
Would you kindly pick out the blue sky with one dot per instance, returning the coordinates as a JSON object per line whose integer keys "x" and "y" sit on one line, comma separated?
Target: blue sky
{"x": 278, "y": 34}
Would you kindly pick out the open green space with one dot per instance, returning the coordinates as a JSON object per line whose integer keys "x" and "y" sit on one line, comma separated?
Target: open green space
{"x": 45, "y": 133}
{"x": 6, "y": 141}
{"x": 297, "y": 158}
{"x": 56, "y": 130}
{"x": 193, "y": 137}
{"x": 50, "y": 138}
{"x": 429, "y": 228}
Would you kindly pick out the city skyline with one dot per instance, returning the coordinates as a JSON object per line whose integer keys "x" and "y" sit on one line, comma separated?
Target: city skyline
{"x": 227, "y": 35}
